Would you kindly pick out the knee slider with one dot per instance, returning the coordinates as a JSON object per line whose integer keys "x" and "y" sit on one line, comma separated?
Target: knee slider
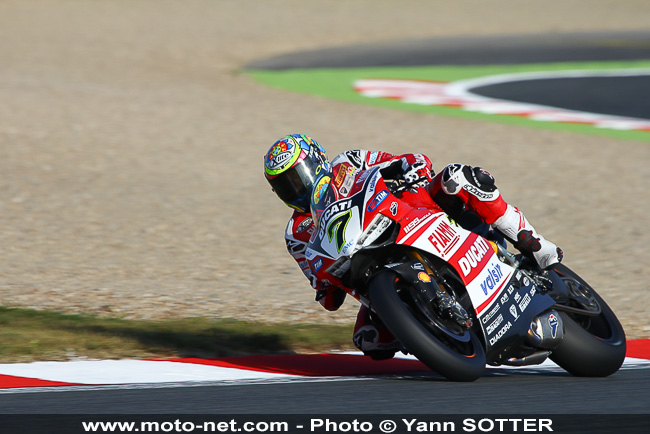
{"x": 483, "y": 179}
{"x": 480, "y": 184}
{"x": 474, "y": 180}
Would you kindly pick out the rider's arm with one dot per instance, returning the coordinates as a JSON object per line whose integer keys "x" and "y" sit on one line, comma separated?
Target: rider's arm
{"x": 416, "y": 169}
{"x": 297, "y": 234}
{"x": 364, "y": 159}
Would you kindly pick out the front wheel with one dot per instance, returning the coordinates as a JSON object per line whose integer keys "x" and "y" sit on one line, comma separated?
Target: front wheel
{"x": 461, "y": 359}
{"x": 593, "y": 345}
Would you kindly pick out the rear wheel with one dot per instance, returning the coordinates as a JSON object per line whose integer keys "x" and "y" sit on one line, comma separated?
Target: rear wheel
{"x": 594, "y": 341}
{"x": 437, "y": 342}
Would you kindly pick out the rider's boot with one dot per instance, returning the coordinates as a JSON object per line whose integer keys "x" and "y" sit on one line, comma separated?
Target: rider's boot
{"x": 514, "y": 225}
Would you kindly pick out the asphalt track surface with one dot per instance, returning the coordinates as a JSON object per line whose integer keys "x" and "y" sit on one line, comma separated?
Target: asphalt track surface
{"x": 621, "y": 96}
{"x": 499, "y": 392}
{"x": 491, "y": 50}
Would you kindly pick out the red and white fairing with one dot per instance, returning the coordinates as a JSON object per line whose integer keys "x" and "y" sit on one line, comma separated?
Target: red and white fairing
{"x": 483, "y": 274}
{"x": 348, "y": 219}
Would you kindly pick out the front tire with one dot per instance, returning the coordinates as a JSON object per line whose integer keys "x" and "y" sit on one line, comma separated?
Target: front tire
{"x": 593, "y": 346}
{"x": 465, "y": 365}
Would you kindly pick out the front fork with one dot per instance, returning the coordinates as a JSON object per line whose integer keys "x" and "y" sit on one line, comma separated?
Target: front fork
{"x": 445, "y": 303}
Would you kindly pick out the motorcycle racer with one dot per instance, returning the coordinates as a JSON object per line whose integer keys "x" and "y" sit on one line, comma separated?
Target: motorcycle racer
{"x": 299, "y": 172}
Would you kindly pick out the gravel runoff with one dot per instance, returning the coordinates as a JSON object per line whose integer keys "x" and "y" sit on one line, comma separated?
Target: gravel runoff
{"x": 131, "y": 147}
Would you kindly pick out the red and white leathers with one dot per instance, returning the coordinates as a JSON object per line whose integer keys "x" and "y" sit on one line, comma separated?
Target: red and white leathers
{"x": 456, "y": 188}
{"x": 477, "y": 192}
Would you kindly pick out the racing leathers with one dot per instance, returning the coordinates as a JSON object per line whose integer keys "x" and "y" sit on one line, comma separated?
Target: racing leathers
{"x": 467, "y": 193}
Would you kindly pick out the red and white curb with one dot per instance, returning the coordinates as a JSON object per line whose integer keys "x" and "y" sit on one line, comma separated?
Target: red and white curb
{"x": 459, "y": 94}
{"x": 82, "y": 374}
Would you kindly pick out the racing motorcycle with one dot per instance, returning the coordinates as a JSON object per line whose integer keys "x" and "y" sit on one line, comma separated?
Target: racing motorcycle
{"x": 454, "y": 298}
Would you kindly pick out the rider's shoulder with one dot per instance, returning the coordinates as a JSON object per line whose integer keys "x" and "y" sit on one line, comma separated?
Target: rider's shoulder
{"x": 355, "y": 157}
{"x": 300, "y": 222}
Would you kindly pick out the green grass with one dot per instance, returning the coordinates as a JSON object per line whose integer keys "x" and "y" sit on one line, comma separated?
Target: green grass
{"x": 336, "y": 83}
{"x": 29, "y": 335}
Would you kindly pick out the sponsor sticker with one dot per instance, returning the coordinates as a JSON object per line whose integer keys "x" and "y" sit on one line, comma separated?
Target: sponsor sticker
{"x": 502, "y": 332}
{"x": 310, "y": 254}
{"x": 444, "y": 237}
{"x": 321, "y": 188}
{"x": 340, "y": 175}
{"x": 305, "y": 224}
{"x": 493, "y": 326}
{"x": 474, "y": 255}
{"x": 317, "y": 265}
{"x": 417, "y": 220}
{"x": 348, "y": 182}
{"x": 553, "y": 323}
{"x": 490, "y": 314}
{"x": 525, "y": 301}
{"x": 424, "y": 277}
{"x": 362, "y": 177}
{"x": 495, "y": 275}
{"x": 379, "y": 198}
{"x": 478, "y": 193}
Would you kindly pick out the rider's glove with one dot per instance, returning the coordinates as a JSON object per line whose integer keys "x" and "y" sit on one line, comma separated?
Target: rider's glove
{"x": 417, "y": 170}
{"x": 527, "y": 243}
{"x": 544, "y": 252}
{"x": 329, "y": 296}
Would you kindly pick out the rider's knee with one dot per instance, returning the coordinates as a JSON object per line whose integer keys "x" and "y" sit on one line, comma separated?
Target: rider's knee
{"x": 475, "y": 181}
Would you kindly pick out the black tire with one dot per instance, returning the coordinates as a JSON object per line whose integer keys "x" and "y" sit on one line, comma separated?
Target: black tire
{"x": 417, "y": 339}
{"x": 592, "y": 346}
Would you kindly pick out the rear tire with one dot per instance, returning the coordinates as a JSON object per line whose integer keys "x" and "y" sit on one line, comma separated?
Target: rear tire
{"x": 418, "y": 339}
{"x": 592, "y": 346}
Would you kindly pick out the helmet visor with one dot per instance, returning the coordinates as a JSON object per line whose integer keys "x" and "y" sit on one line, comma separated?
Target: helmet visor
{"x": 294, "y": 185}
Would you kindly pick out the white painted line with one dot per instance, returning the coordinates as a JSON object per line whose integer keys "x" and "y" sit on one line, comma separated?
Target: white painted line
{"x": 129, "y": 371}
{"x": 175, "y": 385}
